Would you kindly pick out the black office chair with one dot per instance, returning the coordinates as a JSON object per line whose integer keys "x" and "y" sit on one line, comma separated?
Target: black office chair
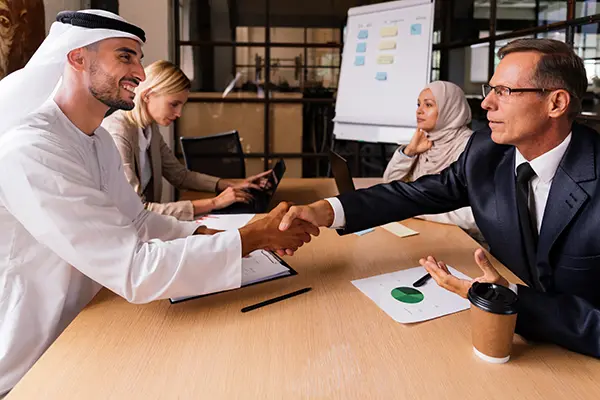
{"x": 218, "y": 155}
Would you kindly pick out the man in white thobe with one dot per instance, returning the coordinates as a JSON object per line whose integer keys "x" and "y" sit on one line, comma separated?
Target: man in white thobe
{"x": 70, "y": 221}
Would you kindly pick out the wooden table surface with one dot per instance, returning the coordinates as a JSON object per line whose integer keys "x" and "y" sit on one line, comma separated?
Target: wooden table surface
{"x": 332, "y": 342}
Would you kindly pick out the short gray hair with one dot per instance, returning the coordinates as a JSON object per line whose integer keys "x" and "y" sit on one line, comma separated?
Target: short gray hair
{"x": 558, "y": 68}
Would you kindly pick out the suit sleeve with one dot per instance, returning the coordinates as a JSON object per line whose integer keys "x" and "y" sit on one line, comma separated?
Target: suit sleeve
{"x": 566, "y": 320}
{"x": 396, "y": 201}
{"x": 182, "y": 210}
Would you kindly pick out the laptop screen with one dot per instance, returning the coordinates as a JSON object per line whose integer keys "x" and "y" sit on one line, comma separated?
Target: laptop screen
{"x": 341, "y": 173}
{"x": 276, "y": 176}
{"x": 278, "y": 171}
{"x": 266, "y": 196}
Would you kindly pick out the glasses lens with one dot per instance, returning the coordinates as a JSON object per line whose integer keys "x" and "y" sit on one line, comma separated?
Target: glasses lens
{"x": 485, "y": 89}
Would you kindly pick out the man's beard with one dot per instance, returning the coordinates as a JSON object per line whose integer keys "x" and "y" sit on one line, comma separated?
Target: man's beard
{"x": 106, "y": 89}
{"x": 5, "y": 45}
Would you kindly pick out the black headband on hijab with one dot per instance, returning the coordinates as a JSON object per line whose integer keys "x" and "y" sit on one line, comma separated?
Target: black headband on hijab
{"x": 93, "y": 21}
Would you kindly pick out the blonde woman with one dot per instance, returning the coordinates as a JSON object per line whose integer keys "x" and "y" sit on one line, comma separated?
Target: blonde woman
{"x": 147, "y": 158}
{"x": 441, "y": 136}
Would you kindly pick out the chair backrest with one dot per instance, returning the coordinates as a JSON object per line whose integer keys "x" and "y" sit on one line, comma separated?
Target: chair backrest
{"x": 218, "y": 155}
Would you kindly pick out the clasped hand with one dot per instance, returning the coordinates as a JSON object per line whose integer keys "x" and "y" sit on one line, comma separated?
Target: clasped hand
{"x": 265, "y": 233}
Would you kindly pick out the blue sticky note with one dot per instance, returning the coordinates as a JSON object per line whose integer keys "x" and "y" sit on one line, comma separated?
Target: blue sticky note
{"x": 363, "y": 34}
{"x": 360, "y": 233}
{"x": 415, "y": 29}
{"x": 361, "y": 47}
{"x": 359, "y": 60}
{"x": 381, "y": 76}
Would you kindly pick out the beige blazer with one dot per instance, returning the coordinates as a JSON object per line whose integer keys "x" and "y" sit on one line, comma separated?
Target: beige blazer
{"x": 163, "y": 162}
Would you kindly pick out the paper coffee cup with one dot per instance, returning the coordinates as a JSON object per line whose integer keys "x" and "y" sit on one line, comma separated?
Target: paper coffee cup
{"x": 493, "y": 320}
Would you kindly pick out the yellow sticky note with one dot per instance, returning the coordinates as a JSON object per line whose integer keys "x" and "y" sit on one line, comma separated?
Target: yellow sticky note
{"x": 399, "y": 230}
{"x": 387, "y": 45}
{"x": 385, "y": 59}
{"x": 388, "y": 31}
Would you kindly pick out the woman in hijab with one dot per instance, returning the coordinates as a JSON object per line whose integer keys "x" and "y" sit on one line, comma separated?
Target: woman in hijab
{"x": 441, "y": 136}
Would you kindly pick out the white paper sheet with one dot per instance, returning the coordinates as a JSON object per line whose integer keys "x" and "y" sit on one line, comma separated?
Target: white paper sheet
{"x": 224, "y": 222}
{"x": 395, "y": 294}
{"x": 261, "y": 266}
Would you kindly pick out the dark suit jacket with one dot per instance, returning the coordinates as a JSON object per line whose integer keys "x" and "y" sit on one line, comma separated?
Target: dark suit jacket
{"x": 561, "y": 303}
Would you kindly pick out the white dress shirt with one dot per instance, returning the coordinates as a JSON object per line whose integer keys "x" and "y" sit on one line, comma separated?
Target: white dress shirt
{"x": 544, "y": 166}
{"x": 144, "y": 138}
{"x": 72, "y": 224}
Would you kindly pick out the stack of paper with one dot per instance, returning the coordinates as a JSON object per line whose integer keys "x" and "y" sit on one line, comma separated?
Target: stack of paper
{"x": 258, "y": 266}
{"x": 262, "y": 266}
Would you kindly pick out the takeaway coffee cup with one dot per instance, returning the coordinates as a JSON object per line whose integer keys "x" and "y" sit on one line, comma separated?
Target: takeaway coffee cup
{"x": 493, "y": 320}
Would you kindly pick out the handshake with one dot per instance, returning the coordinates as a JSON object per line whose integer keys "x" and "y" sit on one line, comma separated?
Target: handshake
{"x": 285, "y": 229}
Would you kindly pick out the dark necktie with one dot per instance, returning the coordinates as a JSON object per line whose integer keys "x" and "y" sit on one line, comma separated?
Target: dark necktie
{"x": 528, "y": 228}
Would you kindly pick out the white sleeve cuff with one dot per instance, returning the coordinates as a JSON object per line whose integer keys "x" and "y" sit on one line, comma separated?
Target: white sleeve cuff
{"x": 401, "y": 152}
{"x": 513, "y": 287}
{"x": 339, "y": 218}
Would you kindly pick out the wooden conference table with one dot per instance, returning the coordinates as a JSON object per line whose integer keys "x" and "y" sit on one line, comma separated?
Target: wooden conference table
{"x": 332, "y": 342}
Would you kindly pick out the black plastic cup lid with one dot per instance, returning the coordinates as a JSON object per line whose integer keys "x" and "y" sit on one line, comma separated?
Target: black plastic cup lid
{"x": 493, "y": 298}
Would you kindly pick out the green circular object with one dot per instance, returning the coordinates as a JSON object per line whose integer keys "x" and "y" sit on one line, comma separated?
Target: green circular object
{"x": 407, "y": 295}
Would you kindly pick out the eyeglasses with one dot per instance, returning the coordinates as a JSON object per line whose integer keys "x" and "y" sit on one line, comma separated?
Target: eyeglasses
{"x": 505, "y": 91}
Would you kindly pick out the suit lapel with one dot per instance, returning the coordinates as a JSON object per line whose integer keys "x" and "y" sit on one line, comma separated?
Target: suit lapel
{"x": 508, "y": 219}
{"x": 566, "y": 197}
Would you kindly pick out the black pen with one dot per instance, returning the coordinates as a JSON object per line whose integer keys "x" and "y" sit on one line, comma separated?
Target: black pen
{"x": 275, "y": 300}
{"x": 422, "y": 280}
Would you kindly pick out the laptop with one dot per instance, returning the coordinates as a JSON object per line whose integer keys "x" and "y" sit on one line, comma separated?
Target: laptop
{"x": 261, "y": 198}
{"x": 341, "y": 173}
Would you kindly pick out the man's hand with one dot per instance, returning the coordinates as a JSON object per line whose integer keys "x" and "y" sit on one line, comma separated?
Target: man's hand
{"x": 318, "y": 214}
{"x": 265, "y": 233}
{"x": 418, "y": 144}
{"x": 440, "y": 273}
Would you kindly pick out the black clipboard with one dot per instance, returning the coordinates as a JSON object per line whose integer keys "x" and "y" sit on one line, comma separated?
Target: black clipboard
{"x": 281, "y": 261}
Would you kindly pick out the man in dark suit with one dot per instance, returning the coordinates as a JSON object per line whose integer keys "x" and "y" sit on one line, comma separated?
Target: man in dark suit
{"x": 531, "y": 180}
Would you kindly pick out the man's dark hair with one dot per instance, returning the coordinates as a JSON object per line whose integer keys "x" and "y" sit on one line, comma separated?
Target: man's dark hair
{"x": 558, "y": 68}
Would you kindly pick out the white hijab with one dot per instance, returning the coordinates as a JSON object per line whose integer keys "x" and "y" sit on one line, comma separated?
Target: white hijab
{"x": 451, "y": 133}
{"x": 23, "y": 91}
